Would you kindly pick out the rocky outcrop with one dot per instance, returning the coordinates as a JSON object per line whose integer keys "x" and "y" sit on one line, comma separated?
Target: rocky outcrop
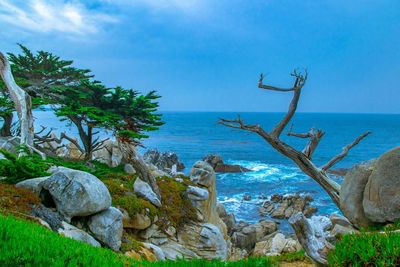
{"x": 218, "y": 165}
{"x": 283, "y": 207}
{"x": 143, "y": 189}
{"x": 168, "y": 162}
{"x": 382, "y": 192}
{"x": 107, "y": 227}
{"x": 76, "y": 193}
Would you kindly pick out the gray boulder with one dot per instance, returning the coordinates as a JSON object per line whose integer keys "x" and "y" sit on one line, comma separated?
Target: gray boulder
{"x": 352, "y": 194}
{"x": 33, "y": 185}
{"x": 76, "y": 193}
{"x": 143, "y": 189}
{"x": 107, "y": 227}
{"x": 72, "y": 232}
{"x": 382, "y": 193}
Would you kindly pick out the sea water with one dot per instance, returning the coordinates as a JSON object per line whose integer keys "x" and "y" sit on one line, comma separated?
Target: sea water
{"x": 193, "y": 135}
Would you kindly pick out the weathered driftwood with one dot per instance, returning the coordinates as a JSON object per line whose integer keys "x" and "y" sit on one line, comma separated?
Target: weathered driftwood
{"x": 312, "y": 244}
{"x": 303, "y": 158}
{"x": 22, "y": 102}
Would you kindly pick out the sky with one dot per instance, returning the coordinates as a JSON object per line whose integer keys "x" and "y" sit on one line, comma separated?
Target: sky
{"x": 207, "y": 55}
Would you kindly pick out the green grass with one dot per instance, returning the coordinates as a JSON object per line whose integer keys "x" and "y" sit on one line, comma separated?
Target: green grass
{"x": 367, "y": 249}
{"x": 24, "y": 243}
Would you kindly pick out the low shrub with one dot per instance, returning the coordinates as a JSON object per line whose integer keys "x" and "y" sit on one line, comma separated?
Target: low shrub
{"x": 15, "y": 169}
{"x": 367, "y": 249}
{"x": 178, "y": 208}
{"x": 17, "y": 201}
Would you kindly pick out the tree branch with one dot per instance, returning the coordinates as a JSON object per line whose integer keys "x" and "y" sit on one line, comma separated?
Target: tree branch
{"x": 344, "y": 153}
{"x": 300, "y": 80}
{"x": 311, "y": 146}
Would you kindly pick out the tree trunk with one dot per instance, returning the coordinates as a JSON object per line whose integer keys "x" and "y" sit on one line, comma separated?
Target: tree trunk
{"x": 22, "y": 102}
{"x": 132, "y": 157}
{"x": 5, "y": 130}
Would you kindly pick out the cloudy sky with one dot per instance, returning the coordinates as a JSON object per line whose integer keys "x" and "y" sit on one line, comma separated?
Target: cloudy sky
{"x": 206, "y": 55}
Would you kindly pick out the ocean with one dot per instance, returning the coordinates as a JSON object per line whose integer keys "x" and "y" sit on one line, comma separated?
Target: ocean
{"x": 192, "y": 135}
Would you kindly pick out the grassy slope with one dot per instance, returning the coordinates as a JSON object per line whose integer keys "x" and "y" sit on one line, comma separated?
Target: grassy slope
{"x": 23, "y": 243}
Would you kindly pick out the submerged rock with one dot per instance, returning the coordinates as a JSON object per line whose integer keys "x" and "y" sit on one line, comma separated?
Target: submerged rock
{"x": 76, "y": 193}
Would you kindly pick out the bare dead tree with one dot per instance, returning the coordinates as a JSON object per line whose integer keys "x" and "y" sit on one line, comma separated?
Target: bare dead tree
{"x": 301, "y": 158}
{"x": 22, "y": 102}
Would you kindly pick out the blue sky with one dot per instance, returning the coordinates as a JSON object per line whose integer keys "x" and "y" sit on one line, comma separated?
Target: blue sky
{"x": 206, "y": 55}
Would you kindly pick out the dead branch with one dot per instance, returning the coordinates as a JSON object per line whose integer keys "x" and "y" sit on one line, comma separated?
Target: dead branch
{"x": 315, "y": 138}
{"x": 345, "y": 151}
{"x": 300, "y": 80}
{"x": 302, "y": 159}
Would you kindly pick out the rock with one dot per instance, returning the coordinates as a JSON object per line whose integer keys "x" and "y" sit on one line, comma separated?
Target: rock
{"x": 338, "y": 231}
{"x": 246, "y": 198}
{"x": 283, "y": 207}
{"x": 107, "y": 226}
{"x": 143, "y": 189}
{"x": 336, "y": 219}
{"x": 218, "y": 165}
{"x": 10, "y": 144}
{"x": 382, "y": 193}
{"x": 76, "y": 193}
{"x": 352, "y": 194}
{"x": 165, "y": 161}
{"x": 309, "y": 211}
{"x": 274, "y": 245}
{"x": 244, "y": 239}
{"x": 137, "y": 221}
{"x": 72, "y": 232}
{"x": 221, "y": 210}
{"x": 237, "y": 254}
{"x": 2, "y": 157}
{"x": 158, "y": 252}
{"x": 33, "y": 185}
{"x": 203, "y": 176}
{"x": 110, "y": 154}
{"x": 245, "y": 236}
{"x": 205, "y": 239}
{"x": 173, "y": 250}
{"x": 128, "y": 168}
{"x": 197, "y": 193}
{"x": 52, "y": 218}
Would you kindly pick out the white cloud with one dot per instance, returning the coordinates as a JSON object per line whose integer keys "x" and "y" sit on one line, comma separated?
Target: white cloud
{"x": 185, "y": 6}
{"x": 52, "y": 16}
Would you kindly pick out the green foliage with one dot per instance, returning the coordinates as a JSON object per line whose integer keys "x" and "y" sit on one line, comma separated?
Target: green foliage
{"x": 22, "y": 168}
{"x": 179, "y": 209}
{"x": 367, "y": 249}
